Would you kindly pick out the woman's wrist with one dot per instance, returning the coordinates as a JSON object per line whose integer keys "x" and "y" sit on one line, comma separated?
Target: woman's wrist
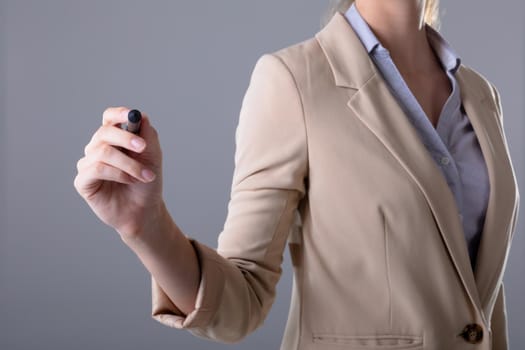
{"x": 157, "y": 227}
{"x": 169, "y": 257}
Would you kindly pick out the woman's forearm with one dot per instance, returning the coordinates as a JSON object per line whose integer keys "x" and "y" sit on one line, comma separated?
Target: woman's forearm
{"x": 170, "y": 258}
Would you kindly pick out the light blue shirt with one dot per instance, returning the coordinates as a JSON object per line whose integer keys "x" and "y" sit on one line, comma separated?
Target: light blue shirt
{"x": 452, "y": 143}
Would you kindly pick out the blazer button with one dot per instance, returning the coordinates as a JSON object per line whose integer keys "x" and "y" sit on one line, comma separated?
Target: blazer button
{"x": 472, "y": 333}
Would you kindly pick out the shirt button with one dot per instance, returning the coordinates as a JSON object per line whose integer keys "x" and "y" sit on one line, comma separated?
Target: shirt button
{"x": 445, "y": 160}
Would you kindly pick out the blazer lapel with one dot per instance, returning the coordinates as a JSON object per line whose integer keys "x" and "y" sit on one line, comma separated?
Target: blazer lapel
{"x": 378, "y": 109}
{"x": 503, "y": 198}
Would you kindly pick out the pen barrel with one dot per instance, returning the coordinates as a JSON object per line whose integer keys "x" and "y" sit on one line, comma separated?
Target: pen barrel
{"x": 133, "y": 127}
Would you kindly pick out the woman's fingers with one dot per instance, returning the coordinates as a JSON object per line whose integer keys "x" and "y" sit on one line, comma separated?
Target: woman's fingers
{"x": 88, "y": 181}
{"x": 115, "y": 115}
{"x": 110, "y": 155}
{"x": 112, "y": 135}
{"x": 104, "y": 159}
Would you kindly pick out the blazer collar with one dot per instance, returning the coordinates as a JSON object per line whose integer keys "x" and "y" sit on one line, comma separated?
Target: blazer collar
{"x": 371, "y": 101}
{"x": 348, "y": 58}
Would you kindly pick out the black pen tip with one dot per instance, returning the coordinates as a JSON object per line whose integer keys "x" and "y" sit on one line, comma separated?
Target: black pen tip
{"x": 134, "y": 116}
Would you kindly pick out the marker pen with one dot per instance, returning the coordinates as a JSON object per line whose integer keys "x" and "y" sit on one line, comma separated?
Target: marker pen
{"x": 133, "y": 124}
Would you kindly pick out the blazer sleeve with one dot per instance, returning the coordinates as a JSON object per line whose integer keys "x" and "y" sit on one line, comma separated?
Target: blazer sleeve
{"x": 238, "y": 279}
{"x": 499, "y": 322}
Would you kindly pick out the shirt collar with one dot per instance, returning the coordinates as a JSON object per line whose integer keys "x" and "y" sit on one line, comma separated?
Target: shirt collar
{"x": 446, "y": 54}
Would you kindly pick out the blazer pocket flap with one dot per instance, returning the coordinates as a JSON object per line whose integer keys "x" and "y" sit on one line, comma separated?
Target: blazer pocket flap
{"x": 383, "y": 341}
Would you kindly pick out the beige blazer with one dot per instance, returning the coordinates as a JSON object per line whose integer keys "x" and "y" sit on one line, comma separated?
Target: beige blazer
{"x": 328, "y": 164}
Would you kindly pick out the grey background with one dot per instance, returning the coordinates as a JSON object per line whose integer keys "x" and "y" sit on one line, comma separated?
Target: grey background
{"x": 66, "y": 280}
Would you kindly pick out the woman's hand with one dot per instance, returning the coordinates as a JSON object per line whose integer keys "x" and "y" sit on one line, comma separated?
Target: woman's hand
{"x": 120, "y": 176}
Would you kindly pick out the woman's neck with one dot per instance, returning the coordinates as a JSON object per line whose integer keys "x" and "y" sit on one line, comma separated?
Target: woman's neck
{"x": 399, "y": 25}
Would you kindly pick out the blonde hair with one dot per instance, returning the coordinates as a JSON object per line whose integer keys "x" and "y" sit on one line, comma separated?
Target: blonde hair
{"x": 431, "y": 15}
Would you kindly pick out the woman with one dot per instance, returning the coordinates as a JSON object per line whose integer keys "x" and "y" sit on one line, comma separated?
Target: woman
{"x": 376, "y": 156}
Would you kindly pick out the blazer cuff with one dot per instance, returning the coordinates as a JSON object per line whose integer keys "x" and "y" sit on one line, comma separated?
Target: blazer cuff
{"x": 208, "y": 296}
